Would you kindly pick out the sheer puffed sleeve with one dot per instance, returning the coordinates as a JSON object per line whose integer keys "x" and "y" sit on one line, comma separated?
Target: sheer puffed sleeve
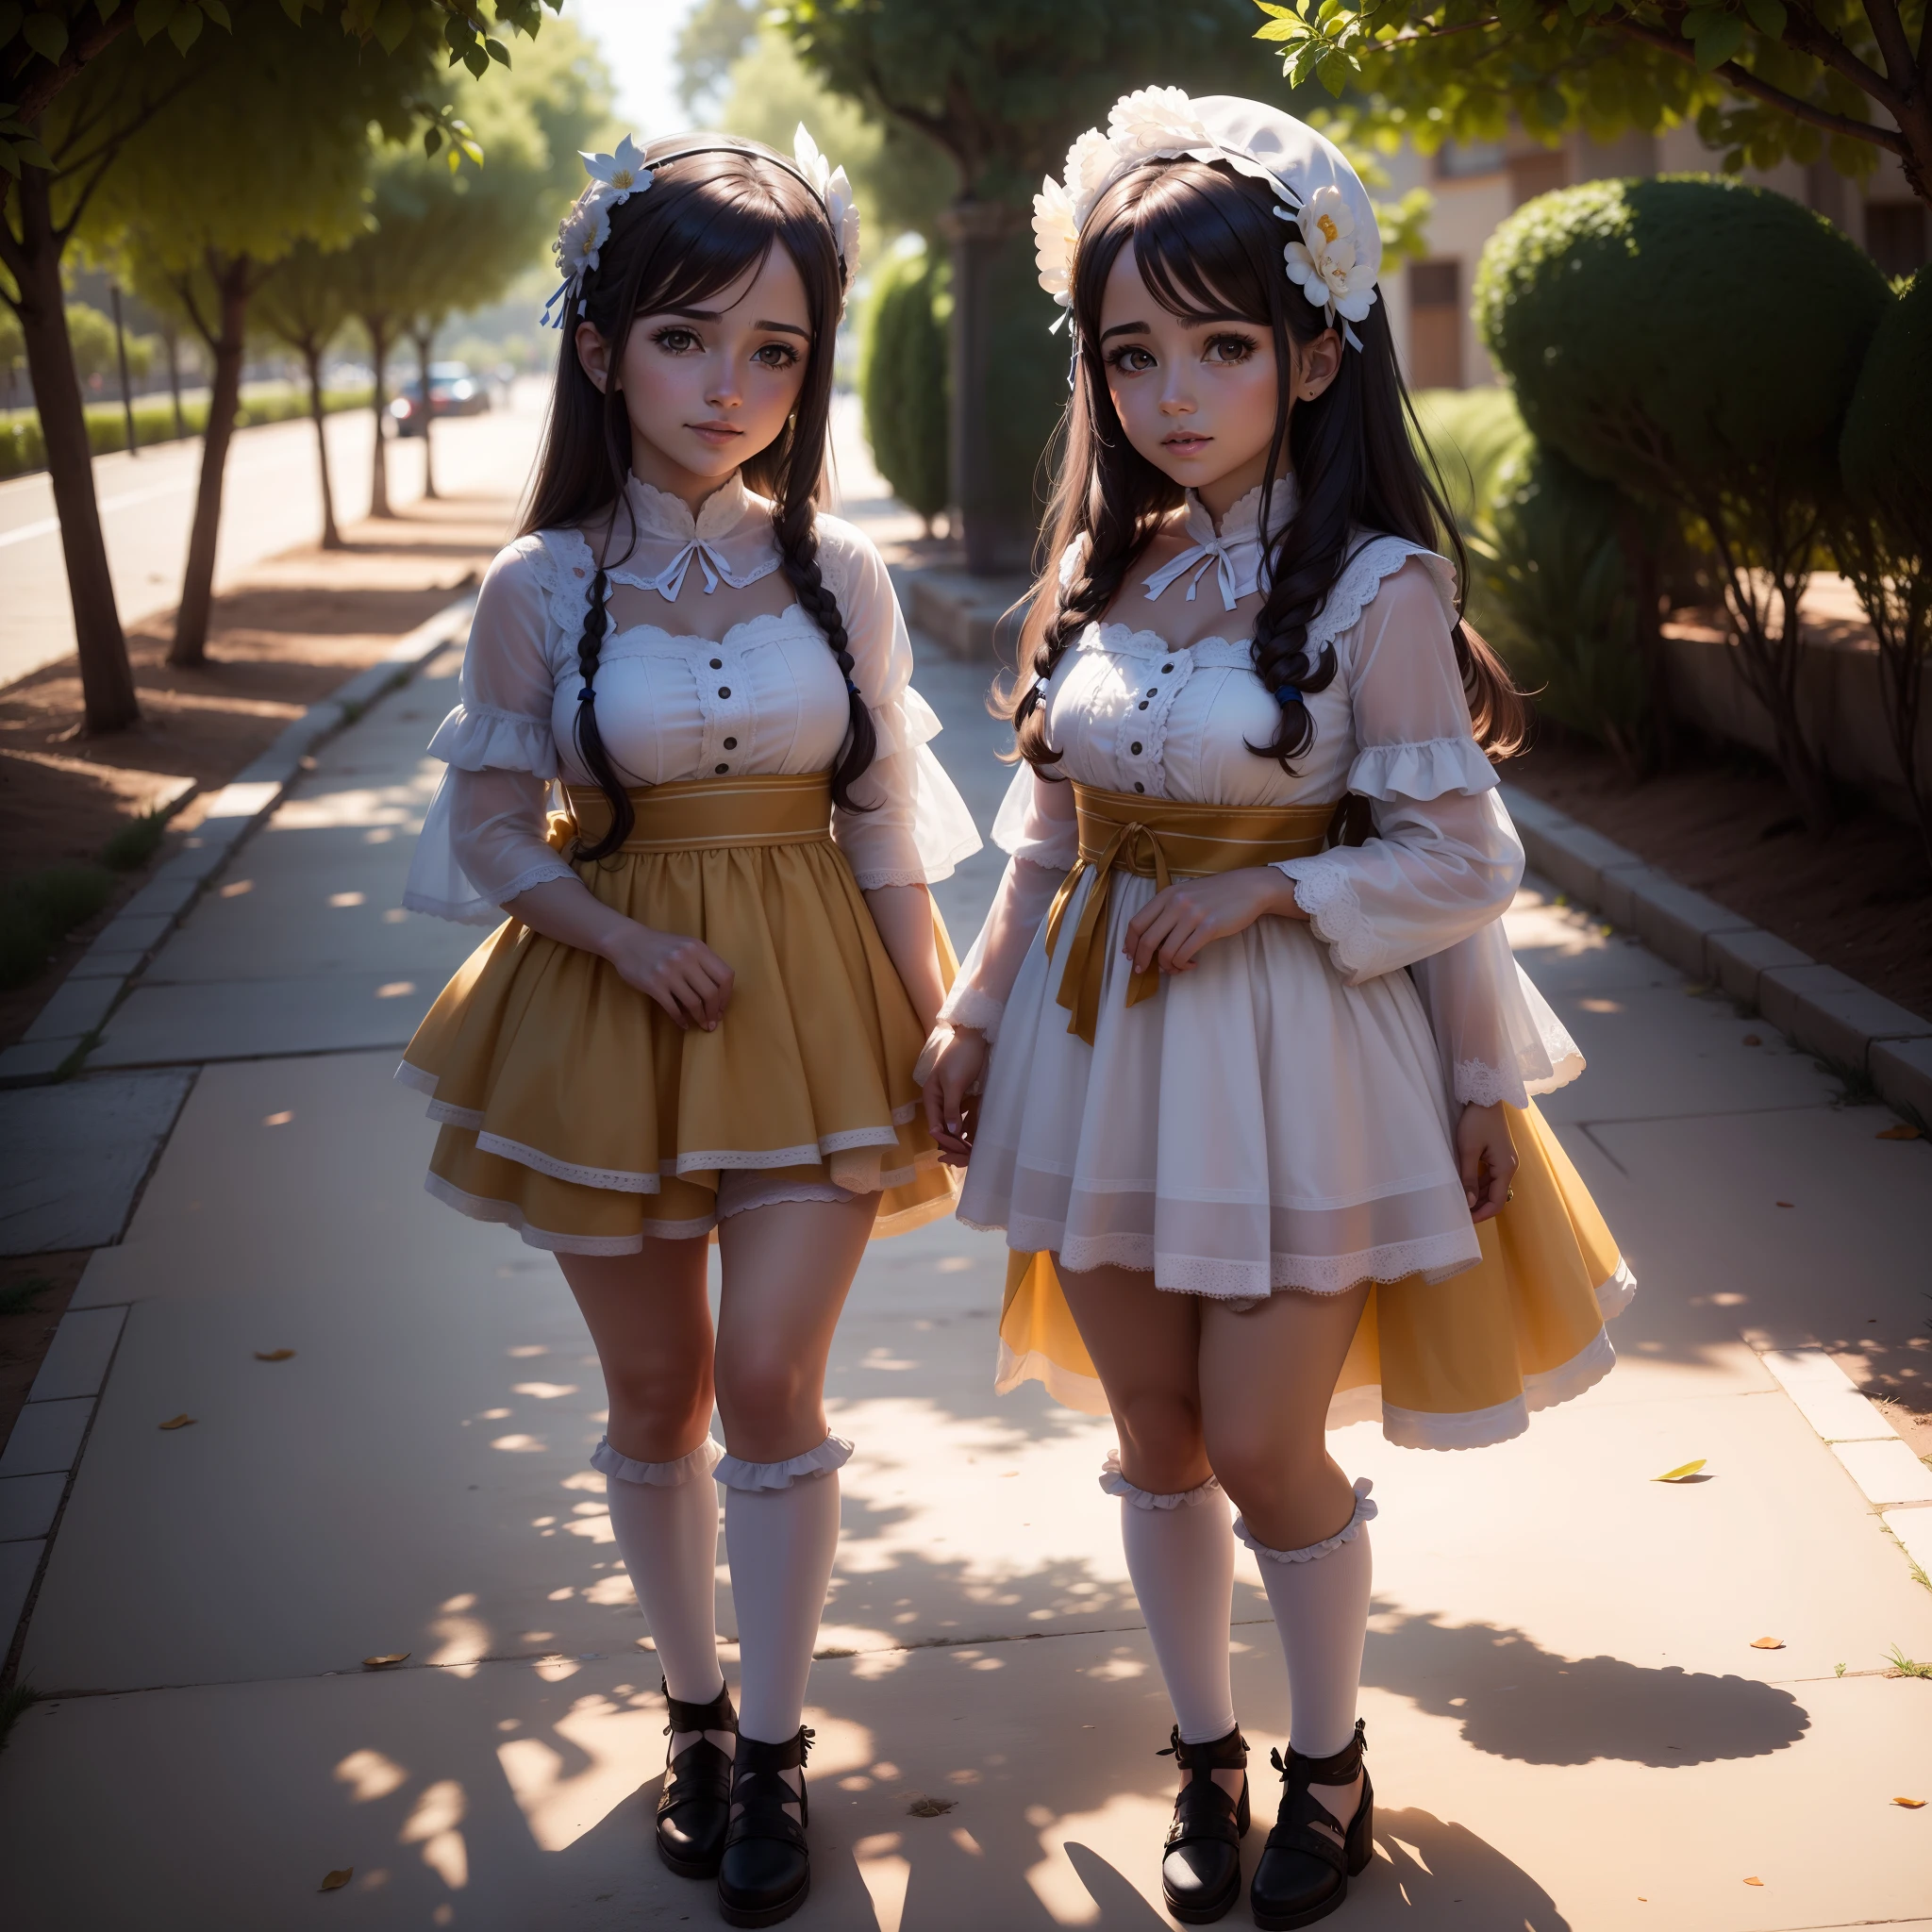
{"x": 1445, "y": 859}
{"x": 1497, "y": 1035}
{"x": 919, "y": 827}
{"x": 1037, "y": 828}
{"x": 483, "y": 841}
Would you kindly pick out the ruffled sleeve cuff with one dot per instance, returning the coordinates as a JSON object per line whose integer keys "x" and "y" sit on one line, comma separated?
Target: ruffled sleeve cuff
{"x": 1422, "y": 771}
{"x": 904, "y": 722}
{"x": 1324, "y": 889}
{"x": 475, "y": 738}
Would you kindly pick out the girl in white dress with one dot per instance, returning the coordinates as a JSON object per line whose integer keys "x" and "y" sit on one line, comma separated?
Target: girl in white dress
{"x": 701, "y": 1014}
{"x": 1242, "y": 1159}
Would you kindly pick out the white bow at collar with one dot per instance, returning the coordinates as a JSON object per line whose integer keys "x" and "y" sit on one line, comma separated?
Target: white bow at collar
{"x": 1235, "y": 551}
{"x": 730, "y": 540}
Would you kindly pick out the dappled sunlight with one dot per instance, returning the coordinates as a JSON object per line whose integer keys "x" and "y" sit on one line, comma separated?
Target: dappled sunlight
{"x": 316, "y": 809}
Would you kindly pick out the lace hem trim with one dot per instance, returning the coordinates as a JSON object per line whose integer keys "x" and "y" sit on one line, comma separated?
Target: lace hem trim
{"x": 737, "y": 1473}
{"x": 539, "y": 875}
{"x": 872, "y": 878}
{"x": 1115, "y": 1484}
{"x": 1322, "y": 890}
{"x": 662, "y": 1475}
{"x": 1478, "y": 1084}
{"x": 508, "y": 1214}
{"x": 1436, "y": 1255}
{"x": 1365, "y": 1511}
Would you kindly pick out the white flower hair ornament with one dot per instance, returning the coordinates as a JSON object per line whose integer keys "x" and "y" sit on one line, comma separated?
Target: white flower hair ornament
{"x": 834, "y": 190}
{"x": 1339, "y": 255}
{"x": 616, "y": 176}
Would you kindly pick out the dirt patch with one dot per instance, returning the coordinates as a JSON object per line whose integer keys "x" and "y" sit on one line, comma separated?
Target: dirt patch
{"x": 1722, "y": 822}
{"x": 34, "y": 1294}
{"x": 293, "y": 629}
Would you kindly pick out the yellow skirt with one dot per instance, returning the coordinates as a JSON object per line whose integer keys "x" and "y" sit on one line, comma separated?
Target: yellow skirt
{"x": 575, "y": 1109}
{"x": 1454, "y": 1364}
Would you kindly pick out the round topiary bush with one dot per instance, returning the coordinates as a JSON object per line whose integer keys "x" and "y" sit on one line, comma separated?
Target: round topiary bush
{"x": 1886, "y": 451}
{"x": 1659, "y": 332}
{"x": 903, "y": 380}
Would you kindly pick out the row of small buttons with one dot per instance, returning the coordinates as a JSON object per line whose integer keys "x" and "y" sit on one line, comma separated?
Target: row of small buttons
{"x": 1153, "y": 692}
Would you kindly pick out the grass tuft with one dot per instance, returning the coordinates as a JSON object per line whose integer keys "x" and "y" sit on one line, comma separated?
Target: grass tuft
{"x": 1902, "y": 1666}
{"x": 13, "y": 1705}
{"x": 134, "y": 844}
{"x": 17, "y": 1297}
{"x": 39, "y": 909}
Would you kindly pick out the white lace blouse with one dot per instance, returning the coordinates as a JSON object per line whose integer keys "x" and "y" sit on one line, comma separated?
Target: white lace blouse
{"x": 767, "y": 696}
{"x": 1131, "y": 713}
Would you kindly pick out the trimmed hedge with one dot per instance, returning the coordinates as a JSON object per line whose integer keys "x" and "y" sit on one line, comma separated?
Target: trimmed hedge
{"x": 904, "y": 382}
{"x": 1886, "y": 451}
{"x": 22, "y": 451}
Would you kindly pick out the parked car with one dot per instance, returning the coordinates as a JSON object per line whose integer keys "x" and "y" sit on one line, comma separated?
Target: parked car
{"x": 453, "y": 391}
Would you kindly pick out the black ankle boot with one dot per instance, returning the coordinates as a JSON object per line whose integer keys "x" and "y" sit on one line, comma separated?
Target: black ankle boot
{"x": 1305, "y": 1871}
{"x": 766, "y": 1870}
{"x": 1201, "y": 1872}
{"x": 695, "y": 1803}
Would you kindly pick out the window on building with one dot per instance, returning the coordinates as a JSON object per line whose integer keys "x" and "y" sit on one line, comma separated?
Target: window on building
{"x": 1539, "y": 172}
{"x": 1434, "y": 324}
{"x": 1895, "y": 235}
{"x": 1456, "y": 160}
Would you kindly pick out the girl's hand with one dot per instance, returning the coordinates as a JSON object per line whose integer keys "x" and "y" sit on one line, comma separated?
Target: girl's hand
{"x": 681, "y": 974}
{"x": 1486, "y": 1157}
{"x": 1174, "y": 925}
{"x": 951, "y": 1108}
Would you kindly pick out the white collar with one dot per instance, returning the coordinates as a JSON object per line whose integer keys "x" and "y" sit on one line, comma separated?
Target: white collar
{"x": 731, "y": 538}
{"x": 1234, "y": 550}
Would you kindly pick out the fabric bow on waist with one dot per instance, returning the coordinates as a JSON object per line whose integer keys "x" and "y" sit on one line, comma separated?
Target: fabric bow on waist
{"x": 1163, "y": 840}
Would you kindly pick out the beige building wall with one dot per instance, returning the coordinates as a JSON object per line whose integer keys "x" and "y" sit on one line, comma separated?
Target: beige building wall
{"x": 1477, "y": 187}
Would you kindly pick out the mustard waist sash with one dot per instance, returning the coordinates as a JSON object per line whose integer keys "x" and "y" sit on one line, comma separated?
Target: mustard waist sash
{"x": 1163, "y": 839}
{"x": 699, "y": 814}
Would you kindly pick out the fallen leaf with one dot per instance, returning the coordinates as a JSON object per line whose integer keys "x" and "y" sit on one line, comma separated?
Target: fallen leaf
{"x": 1677, "y": 1476}
{"x": 1754, "y": 1040}
{"x": 336, "y": 1880}
{"x": 1767, "y": 1643}
{"x": 383, "y": 1662}
{"x": 1910, "y": 1804}
{"x": 1787, "y": 1203}
{"x": 1754, "y": 1881}
{"x": 273, "y": 1355}
{"x": 1900, "y": 1132}
{"x": 930, "y": 1808}
{"x": 179, "y": 1422}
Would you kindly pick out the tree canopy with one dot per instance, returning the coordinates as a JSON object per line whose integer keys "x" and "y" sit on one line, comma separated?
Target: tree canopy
{"x": 1762, "y": 80}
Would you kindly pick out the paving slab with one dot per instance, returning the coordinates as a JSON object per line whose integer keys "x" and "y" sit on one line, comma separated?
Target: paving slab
{"x": 29, "y": 1504}
{"x": 76, "y": 1361}
{"x": 75, "y": 1155}
{"x": 47, "y": 1436}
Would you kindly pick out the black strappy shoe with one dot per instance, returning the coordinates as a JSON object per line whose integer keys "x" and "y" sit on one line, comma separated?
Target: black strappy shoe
{"x": 1201, "y": 1870}
{"x": 766, "y": 1870}
{"x": 694, "y": 1807}
{"x": 1305, "y": 1871}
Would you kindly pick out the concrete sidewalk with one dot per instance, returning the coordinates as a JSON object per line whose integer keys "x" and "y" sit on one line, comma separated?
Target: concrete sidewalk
{"x": 1568, "y": 1724}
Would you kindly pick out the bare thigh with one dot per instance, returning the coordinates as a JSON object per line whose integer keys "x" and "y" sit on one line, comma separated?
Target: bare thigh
{"x": 1267, "y": 1378}
{"x": 651, "y": 1320}
{"x": 1146, "y": 1343}
{"x": 787, "y": 1270}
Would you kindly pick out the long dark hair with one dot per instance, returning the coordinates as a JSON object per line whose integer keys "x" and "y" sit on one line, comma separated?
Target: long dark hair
{"x": 1207, "y": 245}
{"x": 706, "y": 218}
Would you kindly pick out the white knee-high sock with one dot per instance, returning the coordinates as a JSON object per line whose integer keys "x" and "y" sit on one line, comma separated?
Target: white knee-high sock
{"x": 1320, "y": 1597}
{"x": 665, "y": 1519}
{"x": 1180, "y": 1555}
{"x": 781, "y": 1537}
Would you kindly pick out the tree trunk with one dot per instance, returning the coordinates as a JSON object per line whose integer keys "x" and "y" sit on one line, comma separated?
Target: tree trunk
{"x": 311, "y": 355}
{"x": 426, "y": 346}
{"x": 232, "y": 280}
{"x": 107, "y": 680}
{"x": 378, "y": 358}
{"x": 173, "y": 339}
{"x": 121, "y": 356}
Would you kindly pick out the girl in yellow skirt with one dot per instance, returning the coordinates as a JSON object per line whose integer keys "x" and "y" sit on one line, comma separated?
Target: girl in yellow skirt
{"x": 1252, "y": 1169}
{"x": 701, "y": 1014}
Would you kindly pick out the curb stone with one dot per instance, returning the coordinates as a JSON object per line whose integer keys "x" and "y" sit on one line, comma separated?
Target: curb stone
{"x": 1822, "y": 1011}
{"x": 65, "y": 1029}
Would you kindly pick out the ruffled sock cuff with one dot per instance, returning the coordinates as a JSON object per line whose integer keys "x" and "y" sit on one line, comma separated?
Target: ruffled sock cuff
{"x": 737, "y": 1473}
{"x": 1115, "y": 1484}
{"x": 1364, "y": 1512}
{"x": 663, "y": 1476}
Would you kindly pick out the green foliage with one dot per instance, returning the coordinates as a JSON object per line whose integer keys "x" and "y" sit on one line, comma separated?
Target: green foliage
{"x": 133, "y": 844}
{"x": 92, "y": 335}
{"x": 39, "y": 910}
{"x": 1472, "y": 433}
{"x": 1693, "y": 340}
{"x": 22, "y": 449}
{"x": 903, "y": 378}
{"x": 901, "y": 181}
{"x": 1762, "y": 82}
{"x": 715, "y": 35}
{"x": 1886, "y": 451}
{"x": 1556, "y": 598}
